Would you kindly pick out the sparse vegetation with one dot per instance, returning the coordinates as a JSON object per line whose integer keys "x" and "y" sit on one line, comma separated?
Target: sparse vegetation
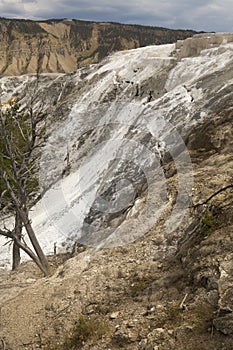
{"x": 201, "y": 316}
{"x": 85, "y": 330}
{"x": 208, "y": 219}
{"x": 171, "y": 316}
{"x": 20, "y": 133}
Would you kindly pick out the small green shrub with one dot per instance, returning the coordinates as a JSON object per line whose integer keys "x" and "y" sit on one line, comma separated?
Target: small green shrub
{"x": 201, "y": 316}
{"x": 209, "y": 220}
{"x": 85, "y": 330}
{"x": 172, "y": 316}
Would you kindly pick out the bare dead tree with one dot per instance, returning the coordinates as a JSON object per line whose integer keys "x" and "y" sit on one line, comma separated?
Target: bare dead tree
{"x": 223, "y": 189}
{"x": 20, "y": 134}
{"x": 21, "y": 244}
{"x": 16, "y": 249}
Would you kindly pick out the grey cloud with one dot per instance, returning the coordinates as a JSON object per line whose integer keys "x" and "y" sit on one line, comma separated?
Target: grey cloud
{"x": 209, "y": 15}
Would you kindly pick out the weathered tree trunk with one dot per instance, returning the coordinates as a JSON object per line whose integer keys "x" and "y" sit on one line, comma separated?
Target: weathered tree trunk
{"x": 23, "y": 214}
{"x": 19, "y": 138}
{"x": 34, "y": 241}
{"x": 16, "y": 249}
{"x": 25, "y": 248}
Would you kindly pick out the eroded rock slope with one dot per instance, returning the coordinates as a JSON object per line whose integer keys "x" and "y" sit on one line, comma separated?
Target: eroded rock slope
{"x": 148, "y": 197}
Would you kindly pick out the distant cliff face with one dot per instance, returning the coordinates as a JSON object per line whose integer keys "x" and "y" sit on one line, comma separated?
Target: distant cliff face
{"x": 64, "y": 45}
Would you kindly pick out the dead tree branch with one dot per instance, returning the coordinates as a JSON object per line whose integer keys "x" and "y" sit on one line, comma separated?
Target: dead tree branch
{"x": 213, "y": 195}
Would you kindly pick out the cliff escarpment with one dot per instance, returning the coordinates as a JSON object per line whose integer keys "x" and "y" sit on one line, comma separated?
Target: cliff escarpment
{"x": 61, "y": 46}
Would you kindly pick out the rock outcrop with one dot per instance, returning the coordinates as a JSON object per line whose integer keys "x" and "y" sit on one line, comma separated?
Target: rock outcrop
{"x": 64, "y": 45}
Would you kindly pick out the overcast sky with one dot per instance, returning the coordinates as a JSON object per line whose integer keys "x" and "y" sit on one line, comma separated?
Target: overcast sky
{"x": 207, "y": 15}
